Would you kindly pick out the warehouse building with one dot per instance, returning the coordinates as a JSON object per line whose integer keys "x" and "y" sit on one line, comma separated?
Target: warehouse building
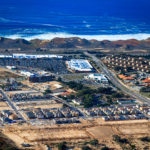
{"x": 31, "y": 56}
{"x": 41, "y": 76}
{"x": 11, "y": 67}
{"x": 26, "y": 73}
{"x": 79, "y": 65}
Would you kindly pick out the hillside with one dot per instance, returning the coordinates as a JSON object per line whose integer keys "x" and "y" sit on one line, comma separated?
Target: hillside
{"x": 6, "y": 43}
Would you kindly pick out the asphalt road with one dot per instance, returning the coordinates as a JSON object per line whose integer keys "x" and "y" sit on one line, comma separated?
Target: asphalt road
{"x": 115, "y": 81}
{"x": 10, "y": 103}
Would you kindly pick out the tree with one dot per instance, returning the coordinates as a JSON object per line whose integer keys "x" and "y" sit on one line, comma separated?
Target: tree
{"x": 94, "y": 142}
{"x": 74, "y": 85}
{"x": 62, "y": 146}
{"x": 86, "y": 148}
{"x": 109, "y": 99}
{"x": 145, "y": 139}
{"x": 84, "y": 91}
{"x": 120, "y": 140}
{"x": 71, "y": 96}
{"x": 104, "y": 90}
{"x": 47, "y": 91}
{"x": 88, "y": 100}
{"x": 117, "y": 95}
{"x": 129, "y": 69}
{"x": 59, "y": 79}
{"x": 145, "y": 89}
{"x": 117, "y": 68}
{"x": 105, "y": 148}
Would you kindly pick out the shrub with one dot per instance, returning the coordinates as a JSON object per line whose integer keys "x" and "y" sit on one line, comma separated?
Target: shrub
{"x": 62, "y": 146}
{"x": 107, "y": 90}
{"x": 86, "y": 148}
{"x": 117, "y": 95}
{"x": 88, "y": 100}
{"x": 145, "y": 89}
{"x": 94, "y": 142}
{"x": 47, "y": 91}
{"x": 105, "y": 148}
{"x": 120, "y": 140}
{"x": 145, "y": 139}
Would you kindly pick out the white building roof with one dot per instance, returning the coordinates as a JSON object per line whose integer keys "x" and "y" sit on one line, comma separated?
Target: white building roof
{"x": 99, "y": 77}
{"x": 29, "y": 56}
{"x": 79, "y": 65}
{"x": 26, "y": 73}
{"x": 5, "y": 56}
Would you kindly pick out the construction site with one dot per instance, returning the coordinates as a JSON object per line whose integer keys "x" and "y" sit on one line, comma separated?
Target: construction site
{"x": 40, "y": 116}
{"x": 37, "y": 137}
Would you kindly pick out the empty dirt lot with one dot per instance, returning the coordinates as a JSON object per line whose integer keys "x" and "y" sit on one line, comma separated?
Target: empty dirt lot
{"x": 101, "y": 132}
{"x": 135, "y": 129}
{"x": 7, "y": 74}
{"x": 85, "y": 131}
{"x": 4, "y": 106}
{"x": 39, "y": 104}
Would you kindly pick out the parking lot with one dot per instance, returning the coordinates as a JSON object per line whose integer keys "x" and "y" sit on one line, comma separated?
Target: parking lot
{"x": 53, "y": 65}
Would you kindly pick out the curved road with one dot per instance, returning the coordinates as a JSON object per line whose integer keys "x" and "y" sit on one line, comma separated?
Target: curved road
{"x": 115, "y": 81}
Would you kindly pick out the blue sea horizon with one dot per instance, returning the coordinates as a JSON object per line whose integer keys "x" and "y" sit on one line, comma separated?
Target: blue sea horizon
{"x": 111, "y": 20}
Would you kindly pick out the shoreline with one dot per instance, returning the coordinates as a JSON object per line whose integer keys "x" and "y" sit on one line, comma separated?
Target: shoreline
{"x": 50, "y": 36}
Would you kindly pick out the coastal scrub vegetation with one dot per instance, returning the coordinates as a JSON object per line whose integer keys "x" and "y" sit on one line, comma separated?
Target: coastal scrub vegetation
{"x": 88, "y": 95}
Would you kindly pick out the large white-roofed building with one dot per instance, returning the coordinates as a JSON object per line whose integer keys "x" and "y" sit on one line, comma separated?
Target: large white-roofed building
{"x": 79, "y": 65}
{"x": 98, "y": 77}
{"x": 26, "y": 73}
{"x": 5, "y": 56}
{"x": 34, "y": 56}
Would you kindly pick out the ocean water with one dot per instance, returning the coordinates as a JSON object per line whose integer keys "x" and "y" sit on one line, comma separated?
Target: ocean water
{"x": 90, "y": 19}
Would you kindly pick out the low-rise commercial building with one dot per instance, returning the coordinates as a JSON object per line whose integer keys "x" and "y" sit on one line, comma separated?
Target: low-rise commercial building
{"x": 79, "y": 65}
{"x": 98, "y": 77}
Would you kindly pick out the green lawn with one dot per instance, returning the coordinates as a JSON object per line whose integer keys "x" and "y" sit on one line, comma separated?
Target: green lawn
{"x": 146, "y": 94}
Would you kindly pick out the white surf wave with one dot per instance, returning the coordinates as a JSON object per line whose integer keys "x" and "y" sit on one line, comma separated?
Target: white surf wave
{"x": 49, "y": 36}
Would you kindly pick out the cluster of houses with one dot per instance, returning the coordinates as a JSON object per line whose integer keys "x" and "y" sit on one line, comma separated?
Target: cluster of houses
{"x": 126, "y": 78}
{"x": 135, "y": 78}
{"x": 146, "y": 81}
{"x": 135, "y": 63}
{"x": 12, "y": 85}
{"x": 120, "y": 112}
{"x": 52, "y": 113}
{"x": 28, "y": 97}
{"x": 7, "y": 116}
